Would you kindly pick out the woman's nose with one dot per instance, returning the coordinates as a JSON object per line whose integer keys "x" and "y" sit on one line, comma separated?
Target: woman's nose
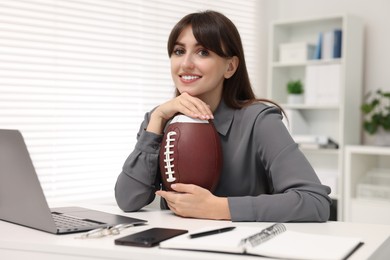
{"x": 187, "y": 62}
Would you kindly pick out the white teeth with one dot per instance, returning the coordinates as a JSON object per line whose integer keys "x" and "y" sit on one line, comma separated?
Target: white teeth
{"x": 189, "y": 77}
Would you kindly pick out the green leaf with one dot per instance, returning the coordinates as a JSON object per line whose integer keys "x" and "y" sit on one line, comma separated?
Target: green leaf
{"x": 375, "y": 102}
{"x": 371, "y": 128}
{"x": 366, "y": 108}
{"x": 386, "y": 122}
{"x": 376, "y": 118}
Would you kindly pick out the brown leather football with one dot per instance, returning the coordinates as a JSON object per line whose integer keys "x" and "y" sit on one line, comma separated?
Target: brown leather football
{"x": 190, "y": 153}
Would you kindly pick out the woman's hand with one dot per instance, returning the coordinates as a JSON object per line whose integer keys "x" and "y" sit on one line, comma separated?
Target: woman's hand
{"x": 193, "y": 201}
{"x": 184, "y": 104}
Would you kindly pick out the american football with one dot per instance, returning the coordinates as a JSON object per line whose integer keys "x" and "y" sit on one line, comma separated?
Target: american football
{"x": 190, "y": 153}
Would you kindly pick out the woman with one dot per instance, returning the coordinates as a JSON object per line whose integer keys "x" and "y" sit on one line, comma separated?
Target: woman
{"x": 265, "y": 177}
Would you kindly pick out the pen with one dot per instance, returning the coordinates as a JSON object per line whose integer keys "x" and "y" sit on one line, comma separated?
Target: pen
{"x": 211, "y": 232}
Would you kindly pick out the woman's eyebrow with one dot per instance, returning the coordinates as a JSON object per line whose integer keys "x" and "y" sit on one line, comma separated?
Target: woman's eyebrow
{"x": 179, "y": 43}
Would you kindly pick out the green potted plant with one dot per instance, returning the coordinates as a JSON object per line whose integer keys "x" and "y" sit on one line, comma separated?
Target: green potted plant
{"x": 295, "y": 92}
{"x": 376, "y": 110}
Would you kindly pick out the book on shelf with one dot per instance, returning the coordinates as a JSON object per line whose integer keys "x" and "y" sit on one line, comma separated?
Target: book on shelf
{"x": 272, "y": 241}
{"x": 317, "y": 52}
{"x": 329, "y": 45}
{"x": 337, "y": 44}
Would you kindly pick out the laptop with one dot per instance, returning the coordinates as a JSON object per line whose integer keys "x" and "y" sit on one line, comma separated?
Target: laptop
{"x": 23, "y": 202}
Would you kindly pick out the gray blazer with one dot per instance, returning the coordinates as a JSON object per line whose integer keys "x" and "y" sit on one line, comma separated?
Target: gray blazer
{"x": 264, "y": 176}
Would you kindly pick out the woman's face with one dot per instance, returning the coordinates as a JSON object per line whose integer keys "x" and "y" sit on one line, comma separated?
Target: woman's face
{"x": 196, "y": 70}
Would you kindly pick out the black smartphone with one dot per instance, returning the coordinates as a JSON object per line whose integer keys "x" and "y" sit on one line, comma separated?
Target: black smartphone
{"x": 150, "y": 237}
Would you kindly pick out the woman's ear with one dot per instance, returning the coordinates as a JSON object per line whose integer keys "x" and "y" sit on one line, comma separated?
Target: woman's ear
{"x": 232, "y": 67}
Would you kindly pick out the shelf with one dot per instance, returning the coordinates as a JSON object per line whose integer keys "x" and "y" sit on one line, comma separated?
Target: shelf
{"x": 373, "y": 202}
{"x": 311, "y": 20}
{"x": 306, "y": 63}
{"x": 365, "y": 149}
{"x": 359, "y": 161}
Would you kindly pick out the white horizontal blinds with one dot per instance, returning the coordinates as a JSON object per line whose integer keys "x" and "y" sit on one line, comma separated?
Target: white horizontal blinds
{"x": 77, "y": 76}
{"x": 76, "y": 79}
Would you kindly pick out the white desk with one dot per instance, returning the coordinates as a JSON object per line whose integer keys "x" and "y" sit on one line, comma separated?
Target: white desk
{"x": 17, "y": 242}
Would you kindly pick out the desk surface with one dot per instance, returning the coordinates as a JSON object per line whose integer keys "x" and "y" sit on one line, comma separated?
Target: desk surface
{"x": 17, "y": 241}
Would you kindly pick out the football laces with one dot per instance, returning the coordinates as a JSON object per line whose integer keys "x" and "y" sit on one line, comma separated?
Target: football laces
{"x": 168, "y": 159}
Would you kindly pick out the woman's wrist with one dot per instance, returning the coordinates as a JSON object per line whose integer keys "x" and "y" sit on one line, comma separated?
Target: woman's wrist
{"x": 221, "y": 209}
{"x": 157, "y": 123}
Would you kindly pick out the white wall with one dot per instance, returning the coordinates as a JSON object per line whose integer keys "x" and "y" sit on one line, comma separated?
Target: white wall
{"x": 376, "y": 17}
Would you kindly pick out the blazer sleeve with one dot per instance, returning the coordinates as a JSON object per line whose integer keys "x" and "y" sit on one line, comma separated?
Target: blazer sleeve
{"x": 138, "y": 181}
{"x": 296, "y": 194}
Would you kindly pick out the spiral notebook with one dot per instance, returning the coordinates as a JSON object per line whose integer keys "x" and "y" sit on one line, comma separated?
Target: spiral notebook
{"x": 274, "y": 241}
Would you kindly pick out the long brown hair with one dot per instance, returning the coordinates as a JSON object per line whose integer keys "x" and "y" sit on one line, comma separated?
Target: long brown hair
{"x": 217, "y": 33}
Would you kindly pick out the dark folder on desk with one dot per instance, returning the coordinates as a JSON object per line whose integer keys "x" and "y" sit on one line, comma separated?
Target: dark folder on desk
{"x": 22, "y": 200}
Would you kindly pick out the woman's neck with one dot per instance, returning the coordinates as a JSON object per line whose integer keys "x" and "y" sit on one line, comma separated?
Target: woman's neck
{"x": 212, "y": 99}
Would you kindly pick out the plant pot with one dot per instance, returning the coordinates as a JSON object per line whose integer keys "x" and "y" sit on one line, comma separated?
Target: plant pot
{"x": 382, "y": 137}
{"x": 295, "y": 99}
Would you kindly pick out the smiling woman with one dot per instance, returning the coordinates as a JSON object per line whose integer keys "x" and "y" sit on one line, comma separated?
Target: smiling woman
{"x": 76, "y": 75}
{"x": 264, "y": 177}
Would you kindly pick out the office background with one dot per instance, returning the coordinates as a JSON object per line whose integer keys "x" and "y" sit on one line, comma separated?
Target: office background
{"x": 76, "y": 77}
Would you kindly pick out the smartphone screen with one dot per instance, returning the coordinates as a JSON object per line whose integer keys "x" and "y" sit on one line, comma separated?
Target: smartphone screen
{"x": 150, "y": 237}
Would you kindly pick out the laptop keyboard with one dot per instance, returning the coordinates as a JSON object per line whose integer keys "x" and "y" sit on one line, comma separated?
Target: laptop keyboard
{"x": 65, "y": 221}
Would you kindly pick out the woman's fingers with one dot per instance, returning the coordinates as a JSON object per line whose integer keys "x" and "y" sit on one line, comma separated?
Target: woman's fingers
{"x": 194, "y": 107}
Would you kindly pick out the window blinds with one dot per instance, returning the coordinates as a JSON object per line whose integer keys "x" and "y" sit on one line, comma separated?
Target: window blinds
{"x": 77, "y": 76}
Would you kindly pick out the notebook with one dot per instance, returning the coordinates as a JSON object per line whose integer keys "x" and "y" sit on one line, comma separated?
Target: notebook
{"x": 274, "y": 241}
{"x": 22, "y": 200}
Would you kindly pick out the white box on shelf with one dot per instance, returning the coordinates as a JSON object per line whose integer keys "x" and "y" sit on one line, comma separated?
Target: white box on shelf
{"x": 322, "y": 84}
{"x": 315, "y": 141}
{"x": 375, "y": 184}
{"x": 296, "y": 52}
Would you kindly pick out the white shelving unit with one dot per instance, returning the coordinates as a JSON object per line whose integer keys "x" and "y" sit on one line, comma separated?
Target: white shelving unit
{"x": 359, "y": 161}
{"x": 340, "y": 121}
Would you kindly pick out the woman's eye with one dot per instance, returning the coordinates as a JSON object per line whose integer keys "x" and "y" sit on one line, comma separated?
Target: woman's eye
{"x": 204, "y": 53}
{"x": 178, "y": 52}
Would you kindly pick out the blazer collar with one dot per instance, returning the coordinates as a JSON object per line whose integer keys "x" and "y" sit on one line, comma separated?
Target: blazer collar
{"x": 223, "y": 118}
